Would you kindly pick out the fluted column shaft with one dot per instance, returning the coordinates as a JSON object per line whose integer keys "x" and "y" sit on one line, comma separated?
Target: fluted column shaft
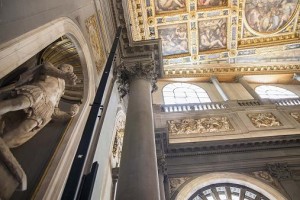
{"x": 138, "y": 177}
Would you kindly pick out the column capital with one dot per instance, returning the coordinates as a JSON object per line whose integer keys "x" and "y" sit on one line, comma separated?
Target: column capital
{"x": 129, "y": 70}
{"x": 279, "y": 171}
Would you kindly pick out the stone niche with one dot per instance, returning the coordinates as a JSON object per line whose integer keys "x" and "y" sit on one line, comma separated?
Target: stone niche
{"x": 22, "y": 168}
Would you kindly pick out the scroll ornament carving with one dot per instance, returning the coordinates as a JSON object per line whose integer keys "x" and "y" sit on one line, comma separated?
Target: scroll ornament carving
{"x": 261, "y": 120}
{"x": 296, "y": 116}
{"x": 141, "y": 70}
{"x": 175, "y": 183}
{"x": 264, "y": 175}
{"x": 279, "y": 171}
{"x": 202, "y": 125}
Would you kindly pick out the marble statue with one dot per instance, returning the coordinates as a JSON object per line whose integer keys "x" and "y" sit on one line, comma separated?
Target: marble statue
{"x": 35, "y": 104}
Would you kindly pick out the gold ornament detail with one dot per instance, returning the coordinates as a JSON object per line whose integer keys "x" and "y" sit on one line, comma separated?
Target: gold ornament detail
{"x": 97, "y": 49}
{"x": 263, "y": 120}
{"x": 199, "y": 126}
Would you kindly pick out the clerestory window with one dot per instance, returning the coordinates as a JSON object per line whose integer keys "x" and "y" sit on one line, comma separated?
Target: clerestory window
{"x": 273, "y": 92}
{"x": 184, "y": 93}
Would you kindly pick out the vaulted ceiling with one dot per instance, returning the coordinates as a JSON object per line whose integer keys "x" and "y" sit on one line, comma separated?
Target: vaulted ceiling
{"x": 197, "y": 32}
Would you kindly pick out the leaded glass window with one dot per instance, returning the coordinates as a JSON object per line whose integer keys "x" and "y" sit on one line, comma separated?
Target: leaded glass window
{"x": 226, "y": 191}
{"x": 273, "y": 92}
{"x": 184, "y": 93}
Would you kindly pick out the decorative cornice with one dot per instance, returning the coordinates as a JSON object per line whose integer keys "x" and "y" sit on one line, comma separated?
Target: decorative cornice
{"x": 206, "y": 149}
{"x": 207, "y": 71}
{"x": 127, "y": 71}
{"x": 279, "y": 171}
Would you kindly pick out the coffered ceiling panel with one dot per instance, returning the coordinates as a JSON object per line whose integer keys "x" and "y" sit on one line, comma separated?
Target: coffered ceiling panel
{"x": 194, "y": 32}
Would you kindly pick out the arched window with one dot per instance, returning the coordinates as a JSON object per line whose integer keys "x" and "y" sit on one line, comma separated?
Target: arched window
{"x": 273, "y": 92}
{"x": 227, "y": 185}
{"x": 223, "y": 191}
{"x": 183, "y": 93}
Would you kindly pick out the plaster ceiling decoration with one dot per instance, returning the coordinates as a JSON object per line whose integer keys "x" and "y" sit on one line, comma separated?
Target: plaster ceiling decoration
{"x": 197, "y": 32}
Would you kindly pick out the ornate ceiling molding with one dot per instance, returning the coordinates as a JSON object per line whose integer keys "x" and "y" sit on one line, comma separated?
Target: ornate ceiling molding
{"x": 207, "y": 148}
{"x": 182, "y": 27}
{"x": 226, "y": 69}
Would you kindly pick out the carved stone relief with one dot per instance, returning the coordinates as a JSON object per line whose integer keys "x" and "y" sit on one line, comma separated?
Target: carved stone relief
{"x": 262, "y": 120}
{"x": 280, "y": 171}
{"x": 266, "y": 177}
{"x": 175, "y": 183}
{"x": 93, "y": 31}
{"x": 296, "y": 116}
{"x": 202, "y": 125}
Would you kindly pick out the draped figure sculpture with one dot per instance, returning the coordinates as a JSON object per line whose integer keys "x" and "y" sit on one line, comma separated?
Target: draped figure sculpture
{"x": 34, "y": 104}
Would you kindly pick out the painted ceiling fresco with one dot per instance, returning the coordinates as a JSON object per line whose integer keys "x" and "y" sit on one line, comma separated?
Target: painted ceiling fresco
{"x": 200, "y": 31}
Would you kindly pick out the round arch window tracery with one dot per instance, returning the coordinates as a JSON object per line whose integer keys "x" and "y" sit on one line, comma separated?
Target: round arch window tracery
{"x": 273, "y": 92}
{"x": 184, "y": 93}
{"x": 212, "y": 187}
{"x": 225, "y": 191}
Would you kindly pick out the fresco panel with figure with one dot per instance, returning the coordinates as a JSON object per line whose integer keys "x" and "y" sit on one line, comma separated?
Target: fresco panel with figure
{"x": 267, "y": 16}
{"x": 212, "y": 34}
{"x": 174, "y": 39}
{"x": 166, "y": 6}
{"x": 211, "y": 3}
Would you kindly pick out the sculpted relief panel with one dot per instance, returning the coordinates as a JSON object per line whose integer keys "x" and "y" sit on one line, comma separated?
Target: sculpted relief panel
{"x": 262, "y": 120}
{"x": 198, "y": 126}
{"x": 296, "y": 116}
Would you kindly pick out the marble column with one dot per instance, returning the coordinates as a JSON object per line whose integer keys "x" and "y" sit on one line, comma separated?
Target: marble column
{"x": 249, "y": 89}
{"x": 138, "y": 177}
{"x": 218, "y": 86}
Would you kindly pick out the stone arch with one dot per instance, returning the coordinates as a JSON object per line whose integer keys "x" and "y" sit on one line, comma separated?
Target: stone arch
{"x": 14, "y": 53}
{"x": 228, "y": 177}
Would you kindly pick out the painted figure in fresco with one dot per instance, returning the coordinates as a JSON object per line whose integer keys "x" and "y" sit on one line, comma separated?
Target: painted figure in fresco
{"x": 214, "y": 36}
{"x": 174, "y": 39}
{"x": 207, "y": 3}
{"x": 33, "y": 105}
{"x": 167, "y": 5}
{"x": 269, "y": 15}
{"x": 208, "y": 41}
